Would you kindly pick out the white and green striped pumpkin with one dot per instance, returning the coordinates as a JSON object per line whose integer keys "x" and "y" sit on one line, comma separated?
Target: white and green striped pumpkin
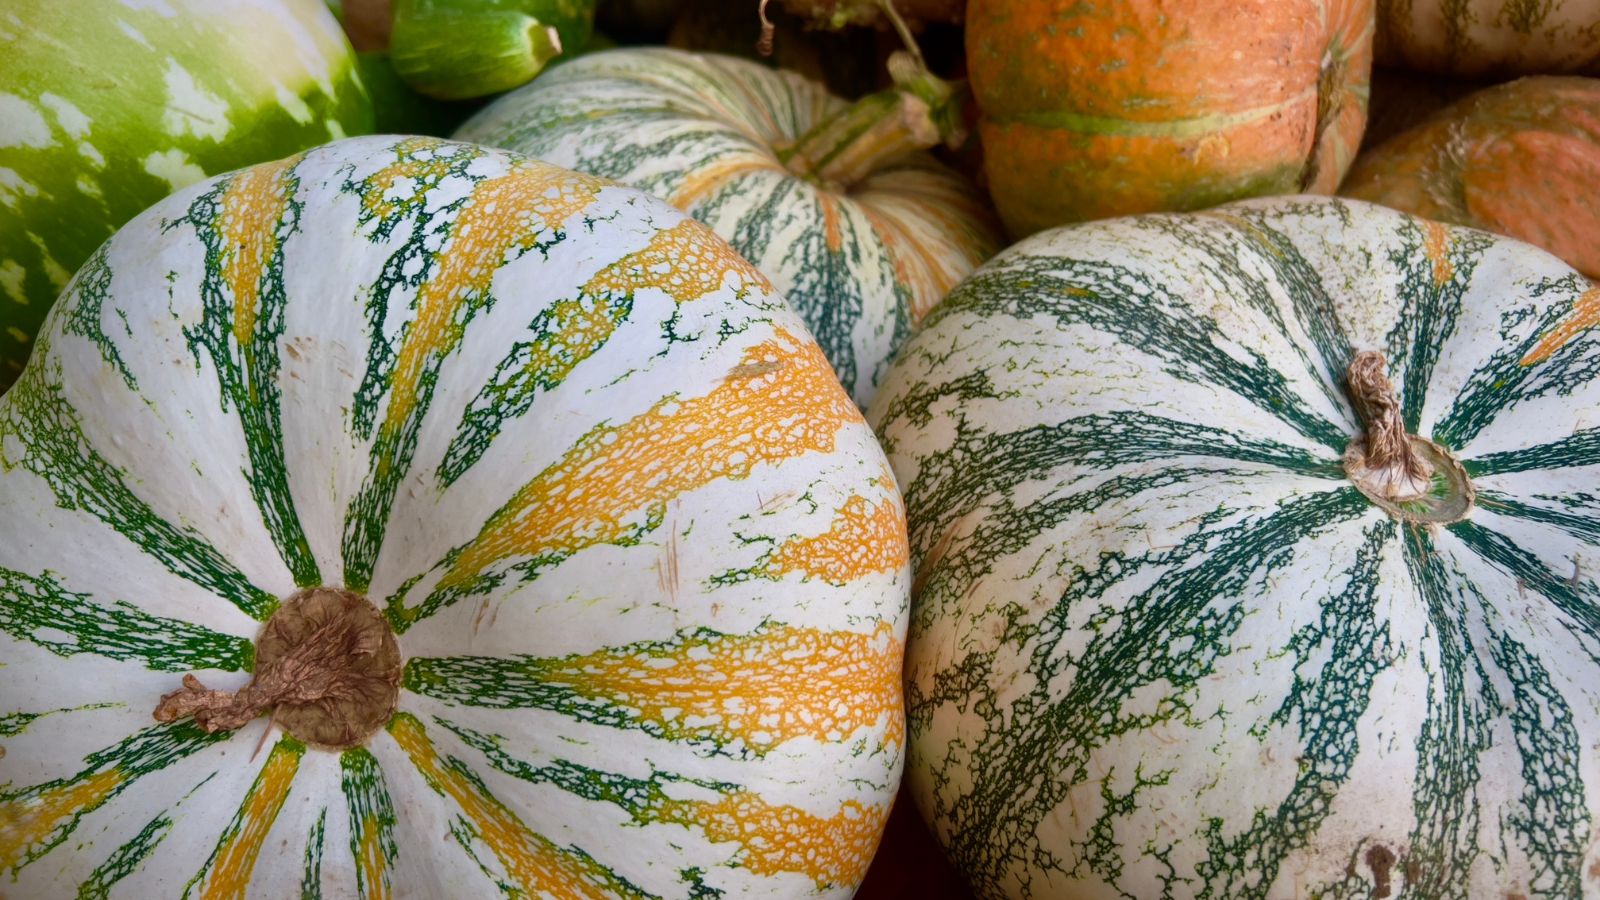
{"x": 106, "y": 106}
{"x": 645, "y": 562}
{"x": 1500, "y": 38}
{"x": 1163, "y": 645}
{"x": 860, "y": 236}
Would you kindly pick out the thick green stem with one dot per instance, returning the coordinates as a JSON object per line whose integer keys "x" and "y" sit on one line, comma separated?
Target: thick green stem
{"x": 919, "y": 112}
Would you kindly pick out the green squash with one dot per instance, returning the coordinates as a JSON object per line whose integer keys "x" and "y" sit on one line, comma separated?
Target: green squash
{"x": 106, "y": 107}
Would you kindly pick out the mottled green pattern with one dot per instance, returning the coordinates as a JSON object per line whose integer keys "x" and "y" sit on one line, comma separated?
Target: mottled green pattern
{"x": 16, "y": 723}
{"x": 371, "y": 818}
{"x": 200, "y": 90}
{"x": 247, "y": 372}
{"x": 125, "y": 860}
{"x": 47, "y": 429}
{"x": 83, "y": 315}
{"x": 140, "y": 754}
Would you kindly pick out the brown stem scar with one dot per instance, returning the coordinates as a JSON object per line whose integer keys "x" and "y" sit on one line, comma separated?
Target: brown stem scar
{"x": 327, "y": 665}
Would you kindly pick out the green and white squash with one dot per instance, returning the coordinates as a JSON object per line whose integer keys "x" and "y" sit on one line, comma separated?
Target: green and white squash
{"x": 106, "y": 106}
{"x": 1173, "y": 636}
{"x": 861, "y": 234}
{"x": 641, "y": 557}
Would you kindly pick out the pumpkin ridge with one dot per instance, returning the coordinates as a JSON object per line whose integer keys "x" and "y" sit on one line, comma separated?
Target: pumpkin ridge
{"x": 372, "y": 821}
{"x": 37, "y": 416}
{"x": 126, "y": 859}
{"x": 226, "y": 874}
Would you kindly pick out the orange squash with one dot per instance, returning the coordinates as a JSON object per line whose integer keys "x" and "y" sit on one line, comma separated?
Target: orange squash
{"x": 1521, "y": 159}
{"x": 1098, "y": 108}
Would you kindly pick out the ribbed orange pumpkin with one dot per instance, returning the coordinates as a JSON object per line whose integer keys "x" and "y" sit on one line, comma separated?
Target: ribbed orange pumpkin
{"x": 1521, "y": 159}
{"x": 1096, "y": 108}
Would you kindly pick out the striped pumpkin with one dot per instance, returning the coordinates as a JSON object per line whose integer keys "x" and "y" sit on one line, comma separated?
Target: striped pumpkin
{"x": 1521, "y": 159}
{"x": 625, "y": 557}
{"x": 1490, "y": 37}
{"x": 862, "y": 256}
{"x": 1109, "y": 107}
{"x": 1178, "y": 633}
{"x": 106, "y": 107}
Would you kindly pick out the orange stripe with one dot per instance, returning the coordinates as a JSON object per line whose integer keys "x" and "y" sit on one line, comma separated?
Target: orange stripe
{"x": 865, "y": 538}
{"x": 687, "y": 261}
{"x": 764, "y": 689}
{"x": 236, "y": 857}
{"x": 833, "y": 851}
{"x": 1436, "y": 244}
{"x": 25, "y": 822}
{"x": 1585, "y": 315}
{"x": 706, "y": 180}
{"x": 253, "y": 204}
{"x": 536, "y": 865}
{"x": 781, "y": 401}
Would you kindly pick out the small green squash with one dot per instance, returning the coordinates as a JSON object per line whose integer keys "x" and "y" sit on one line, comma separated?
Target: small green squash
{"x": 1208, "y": 607}
{"x": 563, "y": 562}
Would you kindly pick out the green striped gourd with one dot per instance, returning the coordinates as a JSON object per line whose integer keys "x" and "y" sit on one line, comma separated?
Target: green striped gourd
{"x": 640, "y": 559}
{"x": 861, "y": 237}
{"x": 1495, "y": 38}
{"x": 106, "y": 106}
{"x": 1188, "y": 625}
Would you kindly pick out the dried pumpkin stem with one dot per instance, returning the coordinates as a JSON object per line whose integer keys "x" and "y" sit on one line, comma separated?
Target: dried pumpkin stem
{"x": 326, "y": 661}
{"x": 1389, "y": 458}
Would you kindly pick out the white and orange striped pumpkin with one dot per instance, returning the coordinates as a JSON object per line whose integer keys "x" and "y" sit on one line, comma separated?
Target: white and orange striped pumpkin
{"x": 643, "y": 560}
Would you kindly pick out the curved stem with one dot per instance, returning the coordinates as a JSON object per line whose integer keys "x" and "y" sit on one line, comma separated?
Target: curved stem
{"x": 919, "y": 112}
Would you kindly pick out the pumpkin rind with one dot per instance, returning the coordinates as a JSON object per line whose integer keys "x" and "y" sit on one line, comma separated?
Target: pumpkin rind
{"x": 1492, "y": 38}
{"x": 652, "y": 622}
{"x": 1099, "y": 108}
{"x": 861, "y": 265}
{"x": 1521, "y": 159}
{"x": 1163, "y": 647}
{"x": 106, "y": 108}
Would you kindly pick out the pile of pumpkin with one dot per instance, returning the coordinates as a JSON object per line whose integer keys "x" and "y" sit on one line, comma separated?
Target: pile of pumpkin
{"x": 609, "y": 478}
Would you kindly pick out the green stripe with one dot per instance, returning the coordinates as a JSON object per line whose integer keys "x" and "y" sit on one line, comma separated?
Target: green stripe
{"x": 1129, "y": 304}
{"x": 1345, "y": 649}
{"x": 1581, "y": 448}
{"x": 1503, "y": 381}
{"x": 949, "y": 483}
{"x": 1577, "y": 598}
{"x": 1169, "y": 636}
{"x": 83, "y": 311}
{"x": 125, "y": 860}
{"x": 561, "y": 339}
{"x": 418, "y": 224}
{"x": 311, "y": 874}
{"x": 1582, "y": 523}
{"x": 140, "y": 754}
{"x": 16, "y": 723}
{"x": 40, "y": 610}
{"x": 1177, "y": 128}
{"x": 248, "y": 375}
{"x": 1428, "y": 311}
{"x": 38, "y": 418}
{"x": 370, "y": 808}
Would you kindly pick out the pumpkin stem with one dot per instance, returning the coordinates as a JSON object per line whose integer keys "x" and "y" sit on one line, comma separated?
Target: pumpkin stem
{"x": 920, "y": 111}
{"x": 1411, "y": 477}
{"x": 326, "y": 663}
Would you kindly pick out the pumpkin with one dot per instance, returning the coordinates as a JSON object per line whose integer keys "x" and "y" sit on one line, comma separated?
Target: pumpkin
{"x": 1257, "y": 555}
{"x": 562, "y": 561}
{"x": 103, "y": 111}
{"x": 861, "y": 235}
{"x": 1521, "y": 159}
{"x": 1492, "y": 38}
{"x": 1111, "y": 107}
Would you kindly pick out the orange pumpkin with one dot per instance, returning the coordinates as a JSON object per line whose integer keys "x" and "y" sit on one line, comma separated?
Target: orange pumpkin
{"x": 1097, "y": 108}
{"x": 1521, "y": 159}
